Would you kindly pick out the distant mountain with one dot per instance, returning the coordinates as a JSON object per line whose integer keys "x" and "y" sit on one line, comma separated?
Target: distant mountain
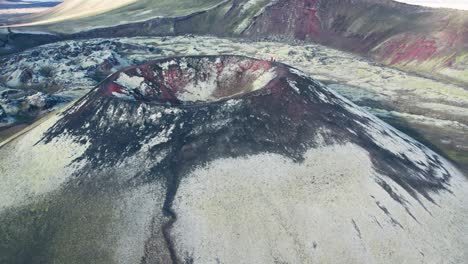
{"x": 426, "y": 40}
{"x": 454, "y": 4}
{"x": 22, "y": 6}
{"x": 411, "y": 37}
{"x": 12, "y": 9}
{"x": 79, "y": 15}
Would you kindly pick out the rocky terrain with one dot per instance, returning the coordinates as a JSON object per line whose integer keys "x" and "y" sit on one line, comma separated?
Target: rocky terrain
{"x": 267, "y": 163}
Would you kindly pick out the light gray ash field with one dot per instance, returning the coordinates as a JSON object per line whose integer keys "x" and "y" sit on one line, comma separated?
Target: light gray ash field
{"x": 226, "y": 159}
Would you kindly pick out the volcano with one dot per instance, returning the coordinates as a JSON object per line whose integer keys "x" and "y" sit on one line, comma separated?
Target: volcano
{"x": 224, "y": 159}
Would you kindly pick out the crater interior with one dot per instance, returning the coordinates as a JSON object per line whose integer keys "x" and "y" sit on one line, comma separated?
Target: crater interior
{"x": 192, "y": 79}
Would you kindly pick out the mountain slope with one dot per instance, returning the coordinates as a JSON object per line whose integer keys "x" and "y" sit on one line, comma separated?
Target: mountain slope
{"x": 411, "y": 37}
{"x": 74, "y": 9}
{"x": 78, "y": 15}
{"x": 268, "y": 165}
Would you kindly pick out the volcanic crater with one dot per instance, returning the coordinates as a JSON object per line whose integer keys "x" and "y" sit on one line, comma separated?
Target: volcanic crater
{"x": 194, "y": 80}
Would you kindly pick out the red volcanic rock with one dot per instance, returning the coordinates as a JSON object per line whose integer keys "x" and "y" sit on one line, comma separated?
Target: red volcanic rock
{"x": 408, "y": 49}
{"x": 191, "y": 80}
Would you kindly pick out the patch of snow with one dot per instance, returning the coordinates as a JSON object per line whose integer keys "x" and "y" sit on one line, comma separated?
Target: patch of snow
{"x": 293, "y": 85}
{"x": 38, "y": 100}
{"x": 123, "y": 96}
{"x": 128, "y": 82}
{"x": 162, "y": 137}
{"x": 14, "y": 78}
{"x": 232, "y": 103}
{"x": 200, "y": 91}
{"x": 263, "y": 79}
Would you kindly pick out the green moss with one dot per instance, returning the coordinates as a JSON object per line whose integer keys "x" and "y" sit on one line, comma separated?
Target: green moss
{"x": 23, "y": 232}
{"x": 459, "y": 156}
{"x": 59, "y": 229}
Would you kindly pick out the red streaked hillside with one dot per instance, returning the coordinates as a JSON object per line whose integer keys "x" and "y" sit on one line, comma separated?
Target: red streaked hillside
{"x": 431, "y": 41}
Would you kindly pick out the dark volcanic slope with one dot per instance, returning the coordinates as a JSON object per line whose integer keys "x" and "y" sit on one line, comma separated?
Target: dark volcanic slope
{"x": 249, "y": 152}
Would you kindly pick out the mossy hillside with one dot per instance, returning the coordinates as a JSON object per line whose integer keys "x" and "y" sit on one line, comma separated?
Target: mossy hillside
{"x": 58, "y": 228}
